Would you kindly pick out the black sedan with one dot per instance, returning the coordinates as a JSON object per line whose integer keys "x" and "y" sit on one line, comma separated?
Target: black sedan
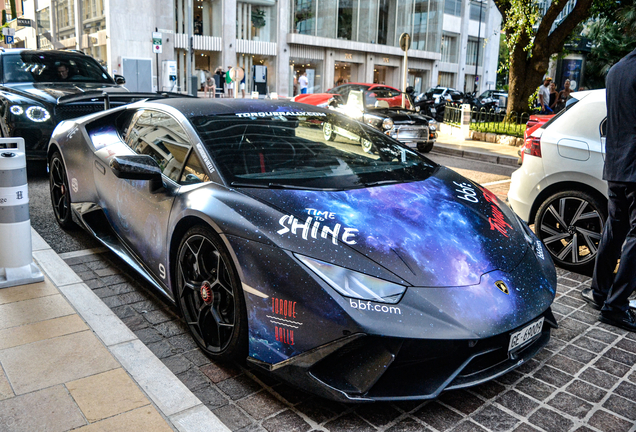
{"x": 41, "y": 88}
{"x": 387, "y": 110}
{"x": 357, "y": 276}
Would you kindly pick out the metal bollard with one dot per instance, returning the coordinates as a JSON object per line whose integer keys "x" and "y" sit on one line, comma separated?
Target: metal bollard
{"x": 16, "y": 260}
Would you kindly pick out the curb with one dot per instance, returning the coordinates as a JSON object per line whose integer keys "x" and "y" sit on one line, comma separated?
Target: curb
{"x": 169, "y": 395}
{"x": 475, "y": 155}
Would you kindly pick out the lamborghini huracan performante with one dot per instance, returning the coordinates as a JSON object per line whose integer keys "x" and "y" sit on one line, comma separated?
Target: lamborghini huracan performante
{"x": 356, "y": 276}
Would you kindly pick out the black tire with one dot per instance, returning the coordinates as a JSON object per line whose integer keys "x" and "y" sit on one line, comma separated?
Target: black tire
{"x": 328, "y": 132}
{"x": 60, "y": 193}
{"x": 367, "y": 146}
{"x": 570, "y": 224}
{"x": 425, "y": 147}
{"x": 204, "y": 268}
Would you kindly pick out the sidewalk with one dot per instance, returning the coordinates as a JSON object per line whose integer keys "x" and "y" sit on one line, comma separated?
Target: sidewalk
{"x": 69, "y": 363}
{"x": 479, "y": 150}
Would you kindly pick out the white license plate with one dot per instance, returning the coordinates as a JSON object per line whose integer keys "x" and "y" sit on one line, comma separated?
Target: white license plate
{"x": 433, "y": 110}
{"x": 525, "y": 334}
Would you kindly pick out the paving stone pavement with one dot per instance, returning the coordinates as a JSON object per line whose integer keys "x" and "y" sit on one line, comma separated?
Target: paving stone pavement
{"x": 584, "y": 380}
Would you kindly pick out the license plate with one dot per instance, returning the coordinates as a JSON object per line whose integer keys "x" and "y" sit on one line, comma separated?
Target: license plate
{"x": 525, "y": 334}
{"x": 433, "y": 110}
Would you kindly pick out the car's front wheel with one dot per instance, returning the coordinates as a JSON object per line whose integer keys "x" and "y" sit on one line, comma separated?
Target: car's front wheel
{"x": 328, "y": 132}
{"x": 570, "y": 224}
{"x": 209, "y": 295}
{"x": 60, "y": 194}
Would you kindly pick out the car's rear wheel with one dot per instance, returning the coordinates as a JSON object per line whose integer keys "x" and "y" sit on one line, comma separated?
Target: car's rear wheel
{"x": 60, "y": 194}
{"x": 328, "y": 132}
{"x": 570, "y": 224}
{"x": 209, "y": 295}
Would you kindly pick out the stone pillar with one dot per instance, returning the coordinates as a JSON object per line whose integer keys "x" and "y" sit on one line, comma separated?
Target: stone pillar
{"x": 228, "y": 51}
{"x": 283, "y": 50}
{"x": 463, "y": 44}
{"x": 79, "y": 28}
{"x": 206, "y": 18}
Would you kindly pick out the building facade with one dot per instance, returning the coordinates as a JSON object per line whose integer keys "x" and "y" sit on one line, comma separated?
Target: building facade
{"x": 274, "y": 41}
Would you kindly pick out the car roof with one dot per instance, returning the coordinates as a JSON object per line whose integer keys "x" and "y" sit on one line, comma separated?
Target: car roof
{"x": 196, "y": 107}
{"x": 369, "y": 85}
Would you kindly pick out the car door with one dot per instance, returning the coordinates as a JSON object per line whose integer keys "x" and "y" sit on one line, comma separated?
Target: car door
{"x": 138, "y": 214}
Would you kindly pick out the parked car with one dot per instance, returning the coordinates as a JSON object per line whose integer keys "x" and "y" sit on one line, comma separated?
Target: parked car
{"x": 559, "y": 186}
{"x": 534, "y": 122}
{"x": 439, "y": 93}
{"x": 492, "y": 96}
{"x": 387, "y": 110}
{"x": 41, "y": 88}
{"x": 322, "y": 99}
{"x": 355, "y": 276}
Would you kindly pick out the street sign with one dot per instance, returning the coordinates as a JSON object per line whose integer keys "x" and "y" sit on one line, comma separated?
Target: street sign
{"x": 157, "y": 46}
{"x": 8, "y": 40}
{"x": 8, "y": 31}
{"x": 24, "y": 22}
{"x": 476, "y": 78}
{"x": 405, "y": 41}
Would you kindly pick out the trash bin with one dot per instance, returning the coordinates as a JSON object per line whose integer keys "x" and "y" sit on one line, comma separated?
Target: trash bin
{"x": 16, "y": 260}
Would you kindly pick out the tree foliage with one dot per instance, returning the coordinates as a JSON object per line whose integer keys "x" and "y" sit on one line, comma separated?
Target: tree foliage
{"x": 612, "y": 38}
{"x": 14, "y": 13}
{"x": 532, "y": 36}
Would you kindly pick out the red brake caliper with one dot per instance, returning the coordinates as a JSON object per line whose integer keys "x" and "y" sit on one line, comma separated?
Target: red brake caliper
{"x": 206, "y": 292}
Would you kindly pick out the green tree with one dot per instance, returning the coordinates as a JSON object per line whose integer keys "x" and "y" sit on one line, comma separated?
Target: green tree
{"x": 502, "y": 64}
{"x": 612, "y": 39}
{"x": 14, "y": 13}
{"x": 4, "y": 16}
{"x": 532, "y": 39}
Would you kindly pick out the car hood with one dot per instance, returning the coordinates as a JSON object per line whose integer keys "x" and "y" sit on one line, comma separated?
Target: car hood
{"x": 51, "y": 92}
{"x": 400, "y": 116}
{"x": 442, "y": 231}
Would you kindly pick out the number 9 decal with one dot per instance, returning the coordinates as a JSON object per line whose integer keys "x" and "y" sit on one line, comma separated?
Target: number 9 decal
{"x": 162, "y": 271}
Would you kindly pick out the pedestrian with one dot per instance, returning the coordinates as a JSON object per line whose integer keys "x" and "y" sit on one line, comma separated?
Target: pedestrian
{"x": 210, "y": 87}
{"x": 544, "y": 96}
{"x": 610, "y": 292}
{"x": 564, "y": 95}
{"x": 229, "y": 85}
{"x": 303, "y": 82}
{"x": 242, "y": 86}
{"x": 554, "y": 96}
{"x": 219, "y": 80}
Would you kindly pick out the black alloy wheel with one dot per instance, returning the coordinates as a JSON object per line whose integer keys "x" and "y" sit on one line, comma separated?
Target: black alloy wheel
{"x": 209, "y": 295}
{"x": 328, "y": 132}
{"x": 60, "y": 193}
{"x": 570, "y": 224}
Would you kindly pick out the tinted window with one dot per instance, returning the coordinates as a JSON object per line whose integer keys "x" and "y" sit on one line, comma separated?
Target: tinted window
{"x": 52, "y": 67}
{"x": 285, "y": 150}
{"x": 162, "y": 137}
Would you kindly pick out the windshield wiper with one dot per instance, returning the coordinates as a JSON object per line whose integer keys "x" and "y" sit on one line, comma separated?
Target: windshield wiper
{"x": 383, "y": 182}
{"x": 283, "y": 186}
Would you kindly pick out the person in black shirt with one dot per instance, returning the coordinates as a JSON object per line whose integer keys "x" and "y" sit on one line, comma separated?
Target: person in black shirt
{"x": 610, "y": 292}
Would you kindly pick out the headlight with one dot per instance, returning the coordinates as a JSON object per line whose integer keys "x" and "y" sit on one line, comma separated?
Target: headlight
{"x": 16, "y": 110}
{"x": 353, "y": 284}
{"x": 37, "y": 114}
{"x": 387, "y": 124}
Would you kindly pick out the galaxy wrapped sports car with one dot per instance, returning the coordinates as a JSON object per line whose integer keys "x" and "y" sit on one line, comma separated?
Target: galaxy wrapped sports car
{"x": 357, "y": 276}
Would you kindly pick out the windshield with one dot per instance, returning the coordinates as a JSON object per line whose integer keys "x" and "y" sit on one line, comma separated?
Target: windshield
{"x": 305, "y": 151}
{"x": 383, "y": 98}
{"x": 52, "y": 67}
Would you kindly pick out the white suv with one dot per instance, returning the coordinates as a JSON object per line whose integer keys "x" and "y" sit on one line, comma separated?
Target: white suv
{"x": 559, "y": 186}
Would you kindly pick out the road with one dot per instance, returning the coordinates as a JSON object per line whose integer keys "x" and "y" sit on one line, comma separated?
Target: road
{"x": 494, "y": 177}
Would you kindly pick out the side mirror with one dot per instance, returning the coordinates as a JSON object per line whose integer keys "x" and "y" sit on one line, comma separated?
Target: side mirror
{"x": 119, "y": 79}
{"x": 137, "y": 167}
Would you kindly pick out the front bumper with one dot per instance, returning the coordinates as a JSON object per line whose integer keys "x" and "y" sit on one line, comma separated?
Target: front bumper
{"x": 373, "y": 368}
{"x": 412, "y": 135}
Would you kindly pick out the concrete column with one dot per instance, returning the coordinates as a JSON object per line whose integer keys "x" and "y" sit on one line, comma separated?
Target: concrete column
{"x": 248, "y": 20}
{"x": 179, "y": 28}
{"x": 206, "y": 18}
{"x": 368, "y": 67}
{"x": 79, "y": 21}
{"x": 284, "y": 50}
{"x": 240, "y": 16}
{"x": 463, "y": 44}
{"x": 228, "y": 53}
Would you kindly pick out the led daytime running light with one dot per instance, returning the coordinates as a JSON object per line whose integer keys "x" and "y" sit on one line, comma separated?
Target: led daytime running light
{"x": 352, "y": 284}
{"x": 16, "y": 110}
{"x": 37, "y": 114}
